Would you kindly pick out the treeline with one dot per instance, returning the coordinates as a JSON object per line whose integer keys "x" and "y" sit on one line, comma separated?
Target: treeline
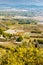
{"x": 26, "y": 21}
{"x": 20, "y": 21}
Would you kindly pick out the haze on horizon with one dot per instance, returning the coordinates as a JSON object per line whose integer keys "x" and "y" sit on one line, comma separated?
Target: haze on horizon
{"x": 20, "y": 3}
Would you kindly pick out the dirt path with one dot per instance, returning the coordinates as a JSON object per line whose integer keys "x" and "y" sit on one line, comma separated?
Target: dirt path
{"x": 4, "y": 42}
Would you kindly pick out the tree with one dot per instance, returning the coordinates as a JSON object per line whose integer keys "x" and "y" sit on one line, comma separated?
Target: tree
{"x": 19, "y": 39}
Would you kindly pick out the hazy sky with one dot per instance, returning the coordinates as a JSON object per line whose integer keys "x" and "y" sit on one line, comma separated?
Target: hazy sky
{"x": 15, "y": 3}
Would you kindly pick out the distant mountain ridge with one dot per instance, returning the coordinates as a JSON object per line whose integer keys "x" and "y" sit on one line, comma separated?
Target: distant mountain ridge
{"x": 21, "y": 6}
{"x": 21, "y": 10}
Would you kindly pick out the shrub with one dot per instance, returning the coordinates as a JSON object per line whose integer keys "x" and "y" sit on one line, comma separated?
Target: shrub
{"x": 19, "y": 39}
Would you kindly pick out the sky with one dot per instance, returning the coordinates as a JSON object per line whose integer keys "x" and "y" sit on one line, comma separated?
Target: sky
{"x": 20, "y": 3}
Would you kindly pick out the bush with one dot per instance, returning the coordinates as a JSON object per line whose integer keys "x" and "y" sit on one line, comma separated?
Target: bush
{"x": 40, "y": 41}
{"x": 19, "y": 39}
